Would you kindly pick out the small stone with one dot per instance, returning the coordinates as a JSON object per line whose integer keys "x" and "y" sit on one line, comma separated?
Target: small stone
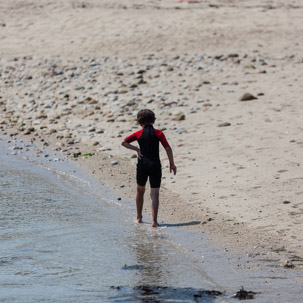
{"x": 52, "y": 130}
{"x": 286, "y": 202}
{"x": 247, "y": 97}
{"x": 92, "y": 101}
{"x": 41, "y": 116}
{"x": 76, "y": 154}
{"x": 95, "y": 143}
{"x": 289, "y": 264}
{"x": 115, "y": 162}
{"x": 224, "y": 124}
{"x": 179, "y": 118}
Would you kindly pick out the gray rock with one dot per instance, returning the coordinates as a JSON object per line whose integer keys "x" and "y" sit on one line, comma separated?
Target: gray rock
{"x": 248, "y": 97}
{"x": 224, "y": 124}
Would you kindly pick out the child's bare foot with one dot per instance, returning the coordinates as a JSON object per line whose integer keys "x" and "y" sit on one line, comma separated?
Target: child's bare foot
{"x": 138, "y": 220}
{"x": 155, "y": 224}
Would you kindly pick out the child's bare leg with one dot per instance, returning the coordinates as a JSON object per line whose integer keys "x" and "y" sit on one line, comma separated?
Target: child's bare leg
{"x": 139, "y": 202}
{"x": 154, "y": 194}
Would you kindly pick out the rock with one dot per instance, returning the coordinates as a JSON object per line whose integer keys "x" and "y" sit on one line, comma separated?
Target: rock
{"x": 179, "y": 118}
{"x": 247, "y": 97}
{"x": 95, "y": 143}
{"x": 76, "y": 154}
{"x": 289, "y": 264}
{"x": 41, "y": 116}
{"x": 63, "y": 127}
{"x": 52, "y": 130}
{"x": 242, "y": 294}
{"x": 224, "y": 124}
{"x": 92, "y": 101}
{"x": 232, "y": 56}
{"x": 249, "y": 66}
{"x": 115, "y": 162}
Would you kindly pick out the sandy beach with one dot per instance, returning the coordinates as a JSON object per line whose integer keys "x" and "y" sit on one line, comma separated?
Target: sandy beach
{"x": 223, "y": 78}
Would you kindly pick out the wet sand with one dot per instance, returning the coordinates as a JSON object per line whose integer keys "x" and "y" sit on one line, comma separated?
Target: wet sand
{"x": 74, "y": 75}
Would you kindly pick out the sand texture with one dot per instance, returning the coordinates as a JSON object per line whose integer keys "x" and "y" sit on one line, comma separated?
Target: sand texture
{"x": 223, "y": 77}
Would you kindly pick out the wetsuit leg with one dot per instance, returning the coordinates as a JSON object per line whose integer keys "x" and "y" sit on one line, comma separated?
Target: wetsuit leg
{"x": 155, "y": 176}
{"x": 142, "y": 174}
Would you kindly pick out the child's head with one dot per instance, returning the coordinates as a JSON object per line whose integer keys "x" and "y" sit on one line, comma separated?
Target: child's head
{"x": 146, "y": 116}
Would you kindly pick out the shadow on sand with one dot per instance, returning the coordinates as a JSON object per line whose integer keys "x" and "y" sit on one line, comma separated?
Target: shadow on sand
{"x": 182, "y": 224}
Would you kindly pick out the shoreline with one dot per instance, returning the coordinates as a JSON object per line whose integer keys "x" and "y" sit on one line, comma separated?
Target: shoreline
{"x": 173, "y": 211}
{"x": 219, "y": 259}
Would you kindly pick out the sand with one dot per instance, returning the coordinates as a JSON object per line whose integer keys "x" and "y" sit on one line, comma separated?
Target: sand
{"x": 75, "y": 73}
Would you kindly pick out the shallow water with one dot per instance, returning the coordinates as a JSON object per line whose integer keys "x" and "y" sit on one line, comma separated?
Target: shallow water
{"x": 64, "y": 237}
{"x": 64, "y": 240}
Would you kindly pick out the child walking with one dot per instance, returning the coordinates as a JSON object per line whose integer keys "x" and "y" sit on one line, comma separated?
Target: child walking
{"x": 149, "y": 165}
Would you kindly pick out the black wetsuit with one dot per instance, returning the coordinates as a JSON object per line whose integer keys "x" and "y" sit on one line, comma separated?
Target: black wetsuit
{"x": 149, "y": 166}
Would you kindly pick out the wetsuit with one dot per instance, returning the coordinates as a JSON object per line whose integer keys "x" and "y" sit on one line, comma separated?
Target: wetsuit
{"x": 149, "y": 165}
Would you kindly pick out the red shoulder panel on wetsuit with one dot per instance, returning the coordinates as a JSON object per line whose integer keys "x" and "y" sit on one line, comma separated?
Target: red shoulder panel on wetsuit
{"x": 135, "y": 136}
{"x": 160, "y": 135}
{"x": 162, "y": 138}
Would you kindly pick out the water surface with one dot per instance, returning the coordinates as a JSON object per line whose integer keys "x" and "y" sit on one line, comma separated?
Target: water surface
{"x": 64, "y": 240}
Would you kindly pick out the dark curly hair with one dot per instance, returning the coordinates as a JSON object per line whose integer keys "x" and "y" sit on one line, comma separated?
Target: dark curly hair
{"x": 146, "y": 116}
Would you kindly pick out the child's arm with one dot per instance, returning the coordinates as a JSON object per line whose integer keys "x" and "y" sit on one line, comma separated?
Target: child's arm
{"x": 132, "y": 147}
{"x": 172, "y": 166}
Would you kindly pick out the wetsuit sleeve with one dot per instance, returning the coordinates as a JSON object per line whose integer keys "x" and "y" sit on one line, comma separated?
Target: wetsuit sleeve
{"x": 135, "y": 136}
{"x": 162, "y": 138}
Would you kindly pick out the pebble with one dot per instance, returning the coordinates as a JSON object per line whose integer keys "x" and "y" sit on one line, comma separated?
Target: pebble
{"x": 179, "y": 118}
{"x": 224, "y": 124}
{"x": 114, "y": 162}
{"x": 247, "y": 97}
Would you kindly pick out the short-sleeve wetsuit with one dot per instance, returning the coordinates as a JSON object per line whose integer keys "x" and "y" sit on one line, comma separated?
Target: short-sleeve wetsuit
{"x": 149, "y": 165}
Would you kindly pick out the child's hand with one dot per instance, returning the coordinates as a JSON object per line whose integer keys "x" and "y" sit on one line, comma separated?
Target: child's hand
{"x": 173, "y": 168}
{"x": 140, "y": 156}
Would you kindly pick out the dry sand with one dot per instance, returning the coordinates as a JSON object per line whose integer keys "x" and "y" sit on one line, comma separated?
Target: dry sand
{"x": 75, "y": 73}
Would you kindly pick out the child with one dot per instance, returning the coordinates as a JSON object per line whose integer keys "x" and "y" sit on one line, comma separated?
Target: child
{"x": 149, "y": 165}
